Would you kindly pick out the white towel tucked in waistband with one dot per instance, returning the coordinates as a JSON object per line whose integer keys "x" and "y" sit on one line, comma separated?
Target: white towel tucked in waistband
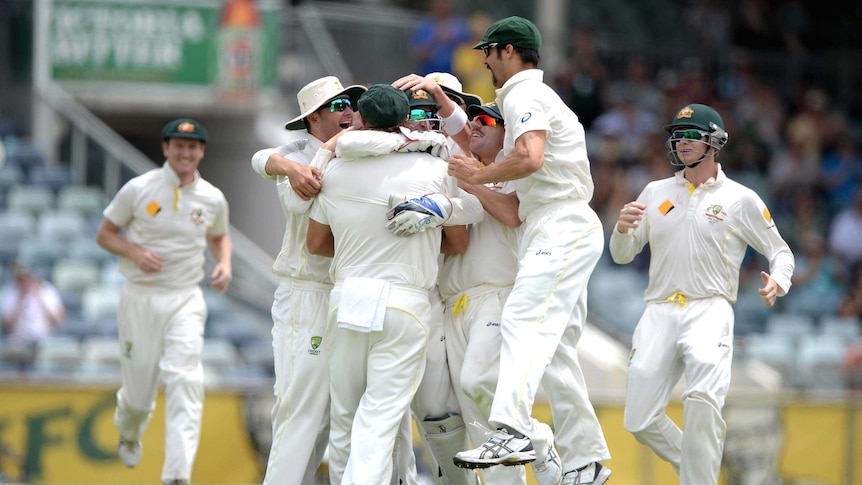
{"x": 362, "y": 304}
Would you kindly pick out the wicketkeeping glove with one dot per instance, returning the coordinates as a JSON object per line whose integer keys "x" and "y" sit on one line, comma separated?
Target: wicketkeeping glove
{"x": 407, "y": 217}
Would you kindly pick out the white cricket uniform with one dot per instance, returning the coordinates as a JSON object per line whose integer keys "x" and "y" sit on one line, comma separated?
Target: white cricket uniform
{"x": 698, "y": 238}
{"x": 300, "y": 416}
{"x": 162, "y": 315}
{"x": 374, "y": 374}
{"x": 474, "y": 286}
{"x": 562, "y": 241}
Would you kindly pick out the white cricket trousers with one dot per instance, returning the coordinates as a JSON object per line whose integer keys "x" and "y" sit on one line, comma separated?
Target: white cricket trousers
{"x": 473, "y": 347}
{"x": 373, "y": 378}
{"x": 300, "y": 415}
{"x": 542, "y": 321}
{"x": 695, "y": 339}
{"x": 161, "y": 340}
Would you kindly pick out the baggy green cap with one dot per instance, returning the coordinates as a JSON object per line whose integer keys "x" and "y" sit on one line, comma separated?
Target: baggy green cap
{"x": 384, "y": 106}
{"x": 517, "y": 31}
{"x": 184, "y": 128}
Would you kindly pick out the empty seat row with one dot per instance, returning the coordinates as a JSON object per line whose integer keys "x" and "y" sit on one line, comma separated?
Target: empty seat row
{"x": 36, "y": 199}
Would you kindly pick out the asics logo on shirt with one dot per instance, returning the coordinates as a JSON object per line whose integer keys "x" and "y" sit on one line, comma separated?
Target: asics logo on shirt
{"x": 543, "y": 252}
{"x": 526, "y": 117}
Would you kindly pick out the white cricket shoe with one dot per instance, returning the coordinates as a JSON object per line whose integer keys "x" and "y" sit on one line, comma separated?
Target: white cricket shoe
{"x": 547, "y": 468}
{"x": 592, "y": 474}
{"x": 501, "y": 448}
{"x": 130, "y": 452}
{"x": 177, "y": 481}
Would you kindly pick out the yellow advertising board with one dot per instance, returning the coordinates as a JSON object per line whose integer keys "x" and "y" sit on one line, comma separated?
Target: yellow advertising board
{"x": 64, "y": 435}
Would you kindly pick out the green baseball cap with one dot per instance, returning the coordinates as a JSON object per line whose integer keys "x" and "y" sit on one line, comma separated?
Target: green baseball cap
{"x": 697, "y": 116}
{"x": 383, "y": 106}
{"x": 517, "y": 31}
{"x": 184, "y": 128}
{"x": 489, "y": 109}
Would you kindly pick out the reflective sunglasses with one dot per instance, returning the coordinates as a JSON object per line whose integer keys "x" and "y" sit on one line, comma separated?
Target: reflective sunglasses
{"x": 420, "y": 115}
{"x": 485, "y": 120}
{"x": 486, "y": 49}
{"x": 339, "y": 105}
{"x": 690, "y": 134}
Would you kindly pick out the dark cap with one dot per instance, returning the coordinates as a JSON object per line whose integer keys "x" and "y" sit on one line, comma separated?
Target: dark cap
{"x": 489, "y": 109}
{"x": 698, "y": 116}
{"x": 517, "y": 31}
{"x": 420, "y": 97}
{"x": 383, "y": 106}
{"x": 184, "y": 128}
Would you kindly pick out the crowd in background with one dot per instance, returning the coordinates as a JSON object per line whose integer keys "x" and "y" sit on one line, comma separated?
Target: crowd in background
{"x": 800, "y": 152}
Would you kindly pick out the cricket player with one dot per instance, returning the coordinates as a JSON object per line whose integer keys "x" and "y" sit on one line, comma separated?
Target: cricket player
{"x": 300, "y": 416}
{"x": 562, "y": 240}
{"x": 379, "y": 308}
{"x": 475, "y": 286}
{"x": 698, "y": 225}
{"x": 168, "y": 215}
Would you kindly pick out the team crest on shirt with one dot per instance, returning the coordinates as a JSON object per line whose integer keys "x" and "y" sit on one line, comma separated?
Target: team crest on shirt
{"x": 315, "y": 343}
{"x": 715, "y": 213}
{"x": 127, "y": 349}
{"x": 197, "y": 216}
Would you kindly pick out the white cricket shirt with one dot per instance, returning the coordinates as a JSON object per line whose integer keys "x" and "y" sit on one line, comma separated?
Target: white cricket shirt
{"x": 528, "y": 104}
{"x": 698, "y": 239}
{"x": 172, "y": 221}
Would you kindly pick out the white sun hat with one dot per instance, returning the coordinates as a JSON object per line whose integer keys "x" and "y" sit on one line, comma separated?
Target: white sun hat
{"x": 317, "y": 93}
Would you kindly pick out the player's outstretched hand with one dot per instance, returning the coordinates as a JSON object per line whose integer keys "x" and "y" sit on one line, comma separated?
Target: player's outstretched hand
{"x": 407, "y": 217}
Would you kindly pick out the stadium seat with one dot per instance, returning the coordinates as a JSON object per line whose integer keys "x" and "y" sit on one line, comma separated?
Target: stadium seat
{"x": 792, "y": 325}
{"x": 62, "y": 226}
{"x": 40, "y": 254}
{"x": 52, "y": 176}
{"x": 87, "y": 249}
{"x": 75, "y": 275}
{"x": 33, "y": 199}
{"x": 821, "y": 362}
{"x": 57, "y": 355}
{"x": 847, "y": 329}
{"x": 15, "y": 227}
{"x": 10, "y": 176}
{"x": 88, "y": 201}
{"x": 99, "y": 304}
{"x": 777, "y": 351}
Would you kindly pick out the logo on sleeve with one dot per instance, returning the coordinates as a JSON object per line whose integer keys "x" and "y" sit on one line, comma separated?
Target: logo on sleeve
{"x": 665, "y": 207}
{"x": 526, "y": 117}
{"x": 153, "y": 208}
{"x": 767, "y": 215}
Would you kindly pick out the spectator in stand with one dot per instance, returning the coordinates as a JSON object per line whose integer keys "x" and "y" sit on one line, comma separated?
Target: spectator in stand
{"x": 840, "y": 173}
{"x": 582, "y": 81}
{"x": 437, "y": 36}
{"x": 817, "y": 280}
{"x": 845, "y": 233}
{"x": 466, "y": 62}
{"x": 31, "y": 307}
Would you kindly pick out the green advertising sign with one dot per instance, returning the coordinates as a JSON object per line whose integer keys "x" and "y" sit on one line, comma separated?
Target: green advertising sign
{"x": 231, "y": 45}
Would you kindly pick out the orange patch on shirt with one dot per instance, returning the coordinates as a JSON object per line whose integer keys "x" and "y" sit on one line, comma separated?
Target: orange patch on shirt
{"x": 153, "y": 208}
{"x": 665, "y": 207}
{"x": 767, "y": 215}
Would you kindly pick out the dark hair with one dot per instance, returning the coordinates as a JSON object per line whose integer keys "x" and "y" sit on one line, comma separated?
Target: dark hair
{"x": 528, "y": 56}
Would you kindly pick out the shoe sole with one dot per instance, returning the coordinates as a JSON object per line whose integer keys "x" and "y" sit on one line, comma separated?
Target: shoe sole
{"x": 603, "y": 477}
{"x": 508, "y": 461}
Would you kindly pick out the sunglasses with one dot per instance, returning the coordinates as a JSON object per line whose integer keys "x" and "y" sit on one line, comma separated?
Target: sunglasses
{"x": 420, "y": 115}
{"x": 486, "y": 49}
{"x": 485, "y": 120}
{"x": 339, "y": 105}
{"x": 691, "y": 134}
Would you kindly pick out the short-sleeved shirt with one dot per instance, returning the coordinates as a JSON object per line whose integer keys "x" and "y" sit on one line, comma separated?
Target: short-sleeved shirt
{"x": 353, "y": 202}
{"x": 528, "y": 104}
{"x": 172, "y": 221}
